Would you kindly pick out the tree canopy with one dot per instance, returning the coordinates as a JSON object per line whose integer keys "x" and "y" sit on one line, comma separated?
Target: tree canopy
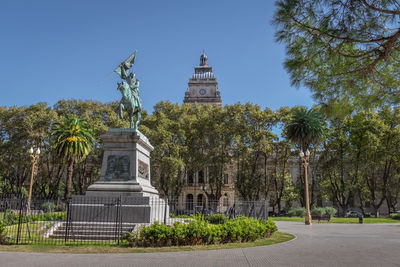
{"x": 305, "y": 128}
{"x": 357, "y": 165}
{"x": 345, "y": 51}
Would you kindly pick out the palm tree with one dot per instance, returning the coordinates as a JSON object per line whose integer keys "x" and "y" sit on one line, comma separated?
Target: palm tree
{"x": 305, "y": 128}
{"x": 73, "y": 141}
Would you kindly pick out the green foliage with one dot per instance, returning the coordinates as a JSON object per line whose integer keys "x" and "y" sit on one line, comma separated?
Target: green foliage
{"x": 201, "y": 232}
{"x": 395, "y": 216}
{"x": 345, "y": 52}
{"x": 23, "y": 127}
{"x": 48, "y": 206}
{"x": 182, "y": 216}
{"x": 218, "y": 218}
{"x": 3, "y": 234}
{"x": 330, "y": 211}
{"x": 72, "y": 140}
{"x": 305, "y": 128}
{"x": 319, "y": 211}
{"x": 299, "y": 212}
{"x": 13, "y": 218}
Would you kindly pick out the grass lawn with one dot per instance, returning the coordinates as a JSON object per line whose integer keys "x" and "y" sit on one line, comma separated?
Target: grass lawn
{"x": 276, "y": 238}
{"x": 30, "y": 232}
{"x": 338, "y": 220}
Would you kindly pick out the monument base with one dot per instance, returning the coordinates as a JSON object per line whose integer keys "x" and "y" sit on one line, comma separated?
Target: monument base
{"x": 124, "y": 191}
{"x": 120, "y": 188}
{"x": 121, "y": 209}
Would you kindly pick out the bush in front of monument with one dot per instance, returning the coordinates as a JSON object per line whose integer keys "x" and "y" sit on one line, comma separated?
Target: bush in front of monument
{"x": 299, "y": 212}
{"x": 217, "y": 218}
{"x": 201, "y": 232}
{"x": 3, "y": 234}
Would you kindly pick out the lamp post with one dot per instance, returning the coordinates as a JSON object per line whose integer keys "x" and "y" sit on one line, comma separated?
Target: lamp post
{"x": 34, "y": 157}
{"x": 305, "y": 158}
{"x": 203, "y": 201}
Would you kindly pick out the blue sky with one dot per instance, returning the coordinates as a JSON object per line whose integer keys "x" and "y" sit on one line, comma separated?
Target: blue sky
{"x": 52, "y": 50}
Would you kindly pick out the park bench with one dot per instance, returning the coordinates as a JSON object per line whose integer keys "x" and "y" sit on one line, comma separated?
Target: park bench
{"x": 325, "y": 217}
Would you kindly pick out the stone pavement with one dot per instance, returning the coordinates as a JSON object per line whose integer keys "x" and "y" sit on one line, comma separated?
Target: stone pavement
{"x": 316, "y": 245}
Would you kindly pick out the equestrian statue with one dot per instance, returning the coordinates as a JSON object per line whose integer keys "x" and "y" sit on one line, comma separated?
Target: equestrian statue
{"x": 129, "y": 89}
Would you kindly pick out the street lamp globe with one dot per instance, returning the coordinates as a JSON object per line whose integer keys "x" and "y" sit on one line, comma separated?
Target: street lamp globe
{"x": 308, "y": 153}
{"x": 31, "y": 150}
{"x": 301, "y": 154}
{"x": 38, "y": 151}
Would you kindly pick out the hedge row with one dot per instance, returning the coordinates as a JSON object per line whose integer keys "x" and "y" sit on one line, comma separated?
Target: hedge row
{"x": 3, "y": 234}
{"x": 201, "y": 232}
{"x": 395, "y": 216}
{"x": 301, "y": 212}
{"x": 13, "y": 218}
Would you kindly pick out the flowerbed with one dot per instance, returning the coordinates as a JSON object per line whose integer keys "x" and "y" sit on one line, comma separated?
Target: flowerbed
{"x": 201, "y": 232}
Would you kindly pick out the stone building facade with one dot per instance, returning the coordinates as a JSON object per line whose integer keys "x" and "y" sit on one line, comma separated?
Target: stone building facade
{"x": 203, "y": 89}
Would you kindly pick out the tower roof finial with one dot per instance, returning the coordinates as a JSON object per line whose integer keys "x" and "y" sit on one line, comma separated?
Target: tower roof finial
{"x": 203, "y": 59}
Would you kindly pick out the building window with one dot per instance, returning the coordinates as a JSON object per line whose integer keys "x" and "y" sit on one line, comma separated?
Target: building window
{"x": 226, "y": 202}
{"x": 189, "y": 202}
{"x": 190, "y": 177}
{"x": 200, "y": 201}
{"x": 201, "y": 177}
{"x": 226, "y": 180}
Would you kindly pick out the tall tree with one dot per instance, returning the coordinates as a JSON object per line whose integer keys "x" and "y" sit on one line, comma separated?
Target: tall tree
{"x": 165, "y": 131}
{"x": 73, "y": 140}
{"x": 305, "y": 129}
{"x": 338, "y": 186}
{"x": 347, "y": 51}
{"x": 252, "y": 147}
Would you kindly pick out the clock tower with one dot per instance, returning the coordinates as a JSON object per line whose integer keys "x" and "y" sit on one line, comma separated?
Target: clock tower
{"x": 203, "y": 86}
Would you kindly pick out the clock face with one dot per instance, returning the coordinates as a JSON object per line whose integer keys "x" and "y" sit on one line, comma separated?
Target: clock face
{"x": 202, "y": 91}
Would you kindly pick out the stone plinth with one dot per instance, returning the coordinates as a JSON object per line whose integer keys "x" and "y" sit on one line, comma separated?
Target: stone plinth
{"x": 124, "y": 191}
{"x": 126, "y": 165}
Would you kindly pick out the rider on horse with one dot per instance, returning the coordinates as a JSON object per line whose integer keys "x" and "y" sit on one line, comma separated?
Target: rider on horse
{"x": 130, "y": 92}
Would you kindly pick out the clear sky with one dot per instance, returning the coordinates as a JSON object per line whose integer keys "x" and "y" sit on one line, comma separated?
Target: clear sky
{"x": 52, "y": 50}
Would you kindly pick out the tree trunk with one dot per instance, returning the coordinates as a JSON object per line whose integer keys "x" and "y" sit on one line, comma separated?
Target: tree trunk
{"x": 69, "y": 179}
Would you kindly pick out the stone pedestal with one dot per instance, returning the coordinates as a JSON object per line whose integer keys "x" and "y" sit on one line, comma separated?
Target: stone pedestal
{"x": 125, "y": 168}
{"x": 125, "y": 177}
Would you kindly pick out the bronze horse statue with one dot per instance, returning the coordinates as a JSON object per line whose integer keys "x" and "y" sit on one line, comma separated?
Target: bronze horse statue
{"x": 130, "y": 102}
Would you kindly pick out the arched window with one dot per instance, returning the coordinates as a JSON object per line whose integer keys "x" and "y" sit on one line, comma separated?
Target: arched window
{"x": 189, "y": 202}
{"x": 200, "y": 200}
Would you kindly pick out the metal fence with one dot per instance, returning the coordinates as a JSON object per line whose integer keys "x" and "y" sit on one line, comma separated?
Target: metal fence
{"x": 104, "y": 219}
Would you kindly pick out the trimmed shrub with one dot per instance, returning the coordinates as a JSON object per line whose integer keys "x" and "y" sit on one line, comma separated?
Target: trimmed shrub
{"x": 13, "y": 218}
{"x": 330, "y": 211}
{"x": 3, "y": 234}
{"x": 201, "y": 232}
{"x": 182, "y": 216}
{"x": 395, "y": 216}
{"x": 318, "y": 211}
{"x": 300, "y": 212}
{"x": 48, "y": 206}
{"x": 216, "y": 218}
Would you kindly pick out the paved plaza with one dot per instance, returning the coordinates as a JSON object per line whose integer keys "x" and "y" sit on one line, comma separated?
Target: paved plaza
{"x": 318, "y": 245}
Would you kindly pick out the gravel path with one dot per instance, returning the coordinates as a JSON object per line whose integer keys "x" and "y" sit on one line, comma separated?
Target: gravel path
{"x": 316, "y": 245}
